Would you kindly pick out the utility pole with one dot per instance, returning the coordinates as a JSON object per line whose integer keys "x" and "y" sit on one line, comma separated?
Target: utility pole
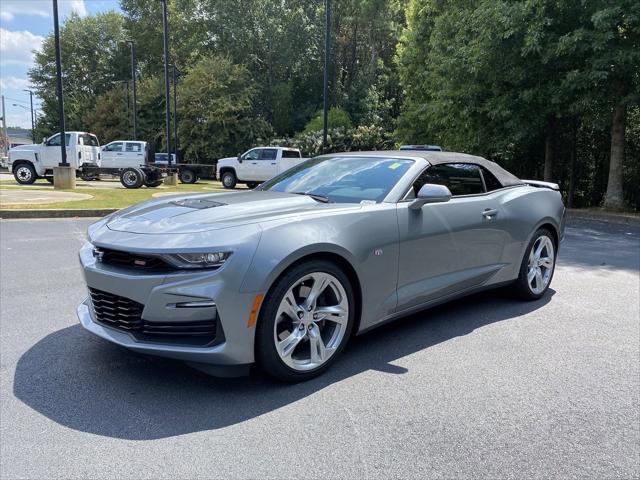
{"x": 175, "y": 110}
{"x": 56, "y": 32}
{"x": 4, "y": 129}
{"x": 327, "y": 54}
{"x": 165, "y": 28}
{"x": 33, "y": 120}
{"x": 133, "y": 80}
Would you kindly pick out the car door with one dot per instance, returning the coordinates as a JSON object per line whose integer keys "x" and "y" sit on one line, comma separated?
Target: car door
{"x": 133, "y": 154}
{"x": 448, "y": 247}
{"x": 111, "y": 153}
{"x": 267, "y": 165}
{"x": 51, "y": 152}
{"x": 247, "y": 168}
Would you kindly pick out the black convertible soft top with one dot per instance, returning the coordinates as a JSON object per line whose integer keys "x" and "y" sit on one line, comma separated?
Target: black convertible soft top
{"x": 436, "y": 158}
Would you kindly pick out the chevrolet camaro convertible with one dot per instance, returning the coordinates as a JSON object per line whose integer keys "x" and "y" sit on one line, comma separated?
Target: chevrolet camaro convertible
{"x": 283, "y": 275}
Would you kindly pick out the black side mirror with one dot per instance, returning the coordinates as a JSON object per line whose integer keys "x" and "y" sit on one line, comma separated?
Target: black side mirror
{"x": 239, "y": 158}
{"x": 430, "y": 193}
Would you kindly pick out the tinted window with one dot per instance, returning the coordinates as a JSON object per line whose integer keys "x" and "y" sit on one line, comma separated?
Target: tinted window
{"x": 133, "y": 147}
{"x": 460, "y": 178}
{"x": 490, "y": 181}
{"x": 114, "y": 147}
{"x": 55, "y": 140}
{"x": 290, "y": 154}
{"x": 269, "y": 154}
{"x": 342, "y": 179}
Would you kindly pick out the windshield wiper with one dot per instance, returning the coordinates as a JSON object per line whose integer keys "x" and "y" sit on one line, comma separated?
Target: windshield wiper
{"x": 319, "y": 198}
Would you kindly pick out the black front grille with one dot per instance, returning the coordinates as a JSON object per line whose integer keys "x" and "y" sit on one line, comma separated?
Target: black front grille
{"x": 130, "y": 260}
{"x": 125, "y": 315}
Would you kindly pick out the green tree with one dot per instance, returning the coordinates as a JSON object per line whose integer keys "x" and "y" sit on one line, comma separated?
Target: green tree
{"x": 215, "y": 110}
{"x": 336, "y": 118}
{"x": 94, "y": 58}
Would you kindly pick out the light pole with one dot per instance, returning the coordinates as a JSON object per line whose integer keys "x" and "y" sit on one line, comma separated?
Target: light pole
{"x": 133, "y": 80}
{"x": 33, "y": 121}
{"x": 56, "y": 33}
{"x": 175, "y": 74}
{"x": 325, "y": 86}
{"x": 165, "y": 29}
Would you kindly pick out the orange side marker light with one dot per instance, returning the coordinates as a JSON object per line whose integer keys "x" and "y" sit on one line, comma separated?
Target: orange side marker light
{"x": 254, "y": 310}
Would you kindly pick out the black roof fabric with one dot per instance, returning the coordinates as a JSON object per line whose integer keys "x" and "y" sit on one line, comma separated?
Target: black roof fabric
{"x": 436, "y": 158}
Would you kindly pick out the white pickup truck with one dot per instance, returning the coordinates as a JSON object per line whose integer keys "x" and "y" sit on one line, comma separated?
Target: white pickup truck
{"x": 30, "y": 162}
{"x": 257, "y": 165}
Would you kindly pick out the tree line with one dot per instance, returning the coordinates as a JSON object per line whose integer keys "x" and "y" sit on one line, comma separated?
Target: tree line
{"x": 549, "y": 89}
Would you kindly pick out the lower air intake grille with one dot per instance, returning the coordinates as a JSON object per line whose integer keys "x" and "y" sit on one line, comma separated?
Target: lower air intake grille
{"x": 125, "y": 315}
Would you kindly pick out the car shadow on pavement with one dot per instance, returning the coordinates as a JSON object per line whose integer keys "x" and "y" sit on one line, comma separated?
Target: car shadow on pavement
{"x": 87, "y": 384}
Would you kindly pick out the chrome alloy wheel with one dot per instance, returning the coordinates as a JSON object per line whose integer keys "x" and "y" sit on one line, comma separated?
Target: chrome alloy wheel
{"x": 311, "y": 321}
{"x": 541, "y": 264}
{"x": 130, "y": 178}
{"x": 24, "y": 173}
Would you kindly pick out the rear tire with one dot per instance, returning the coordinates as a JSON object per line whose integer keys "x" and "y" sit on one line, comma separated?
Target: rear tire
{"x": 87, "y": 177}
{"x": 296, "y": 341}
{"x": 188, "y": 176}
{"x": 252, "y": 185}
{"x": 132, "y": 178}
{"x": 153, "y": 184}
{"x": 229, "y": 180}
{"x": 25, "y": 174}
{"x": 537, "y": 267}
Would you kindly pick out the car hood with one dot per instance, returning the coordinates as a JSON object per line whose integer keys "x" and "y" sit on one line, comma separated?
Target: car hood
{"x": 203, "y": 212}
{"x": 31, "y": 147}
{"x": 227, "y": 160}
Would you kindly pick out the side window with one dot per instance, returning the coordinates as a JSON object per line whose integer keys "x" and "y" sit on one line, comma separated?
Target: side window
{"x": 133, "y": 147}
{"x": 55, "y": 140}
{"x": 490, "y": 181}
{"x": 460, "y": 178}
{"x": 114, "y": 147}
{"x": 290, "y": 154}
{"x": 269, "y": 154}
{"x": 253, "y": 154}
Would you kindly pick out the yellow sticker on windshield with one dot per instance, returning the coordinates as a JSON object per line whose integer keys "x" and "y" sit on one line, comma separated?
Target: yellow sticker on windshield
{"x": 393, "y": 166}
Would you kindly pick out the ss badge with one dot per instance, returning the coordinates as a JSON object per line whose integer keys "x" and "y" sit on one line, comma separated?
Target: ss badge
{"x": 377, "y": 252}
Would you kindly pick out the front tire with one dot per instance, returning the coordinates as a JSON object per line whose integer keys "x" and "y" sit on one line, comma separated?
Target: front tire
{"x": 305, "y": 321}
{"x": 25, "y": 174}
{"x": 229, "y": 180}
{"x": 537, "y": 267}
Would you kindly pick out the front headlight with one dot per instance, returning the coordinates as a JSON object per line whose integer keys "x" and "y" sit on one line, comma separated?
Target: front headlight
{"x": 198, "y": 260}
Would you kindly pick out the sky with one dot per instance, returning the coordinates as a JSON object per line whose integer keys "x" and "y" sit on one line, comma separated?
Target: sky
{"x": 23, "y": 26}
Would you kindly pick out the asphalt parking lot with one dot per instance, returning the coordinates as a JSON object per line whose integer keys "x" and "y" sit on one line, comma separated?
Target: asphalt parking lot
{"x": 486, "y": 387}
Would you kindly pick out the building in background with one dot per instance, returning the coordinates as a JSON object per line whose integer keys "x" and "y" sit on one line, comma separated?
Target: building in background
{"x": 18, "y": 136}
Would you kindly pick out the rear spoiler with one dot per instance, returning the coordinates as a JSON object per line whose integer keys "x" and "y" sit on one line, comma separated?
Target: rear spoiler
{"x": 539, "y": 184}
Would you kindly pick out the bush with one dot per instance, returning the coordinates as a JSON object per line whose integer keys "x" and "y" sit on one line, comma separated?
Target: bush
{"x": 338, "y": 118}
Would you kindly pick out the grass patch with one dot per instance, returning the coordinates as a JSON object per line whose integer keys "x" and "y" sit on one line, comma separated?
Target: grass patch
{"x": 109, "y": 197}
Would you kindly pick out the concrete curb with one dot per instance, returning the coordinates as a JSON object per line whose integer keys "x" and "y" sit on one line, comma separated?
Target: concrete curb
{"x": 55, "y": 212}
{"x": 609, "y": 217}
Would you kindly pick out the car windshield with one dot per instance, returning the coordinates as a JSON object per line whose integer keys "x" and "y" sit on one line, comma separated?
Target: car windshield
{"x": 342, "y": 179}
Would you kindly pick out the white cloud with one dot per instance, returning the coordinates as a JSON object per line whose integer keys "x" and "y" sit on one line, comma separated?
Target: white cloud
{"x": 9, "y": 9}
{"x": 77, "y": 6}
{"x": 14, "y": 83}
{"x": 16, "y": 47}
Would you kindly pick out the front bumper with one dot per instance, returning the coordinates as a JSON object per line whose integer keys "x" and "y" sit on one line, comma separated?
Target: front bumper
{"x": 158, "y": 294}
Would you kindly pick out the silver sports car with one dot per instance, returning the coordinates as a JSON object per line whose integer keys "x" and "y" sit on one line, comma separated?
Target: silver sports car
{"x": 283, "y": 275}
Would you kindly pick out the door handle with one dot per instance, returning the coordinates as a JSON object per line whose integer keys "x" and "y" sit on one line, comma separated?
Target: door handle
{"x": 254, "y": 163}
{"x": 119, "y": 154}
{"x": 273, "y": 163}
{"x": 489, "y": 213}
